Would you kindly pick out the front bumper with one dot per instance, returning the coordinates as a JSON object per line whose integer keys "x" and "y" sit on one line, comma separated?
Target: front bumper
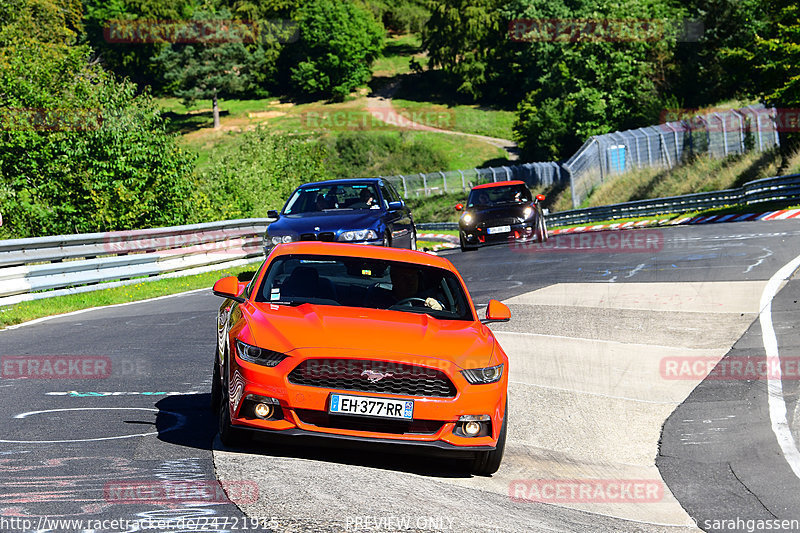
{"x": 304, "y": 409}
{"x": 478, "y": 236}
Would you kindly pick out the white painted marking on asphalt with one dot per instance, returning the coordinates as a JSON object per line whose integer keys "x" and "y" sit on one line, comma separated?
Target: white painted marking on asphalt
{"x": 775, "y": 399}
{"x": 635, "y": 270}
{"x": 760, "y": 260}
{"x": 180, "y": 421}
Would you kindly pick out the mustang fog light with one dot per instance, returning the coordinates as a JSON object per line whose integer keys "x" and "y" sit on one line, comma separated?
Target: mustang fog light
{"x": 263, "y": 410}
{"x": 472, "y": 428}
{"x": 490, "y": 374}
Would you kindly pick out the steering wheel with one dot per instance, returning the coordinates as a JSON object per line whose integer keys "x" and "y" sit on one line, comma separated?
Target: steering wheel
{"x": 411, "y": 301}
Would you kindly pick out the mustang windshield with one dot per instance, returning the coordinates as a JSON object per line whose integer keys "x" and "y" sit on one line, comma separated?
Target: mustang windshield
{"x": 317, "y": 198}
{"x": 360, "y": 282}
{"x": 509, "y": 194}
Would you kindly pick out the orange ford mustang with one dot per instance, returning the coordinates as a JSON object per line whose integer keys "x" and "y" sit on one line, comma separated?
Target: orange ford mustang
{"x": 363, "y": 344}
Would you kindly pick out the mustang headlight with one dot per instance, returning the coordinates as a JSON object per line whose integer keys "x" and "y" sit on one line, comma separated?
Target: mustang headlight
{"x": 259, "y": 356}
{"x": 358, "y": 235}
{"x": 527, "y": 213}
{"x": 281, "y": 238}
{"x": 467, "y": 219}
{"x": 490, "y": 374}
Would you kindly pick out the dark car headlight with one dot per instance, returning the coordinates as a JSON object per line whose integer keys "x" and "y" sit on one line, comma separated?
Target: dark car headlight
{"x": 527, "y": 213}
{"x": 358, "y": 235}
{"x": 259, "y": 356}
{"x": 467, "y": 219}
{"x": 490, "y": 374}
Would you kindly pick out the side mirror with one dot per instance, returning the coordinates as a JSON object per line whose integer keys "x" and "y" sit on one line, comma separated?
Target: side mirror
{"x": 497, "y": 312}
{"x": 273, "y": 215}
{"x": 540, "y": 197}
{"x": 395, "y": 205}
{"x": 228, "y": 288}
{"x": 459, "y": 207}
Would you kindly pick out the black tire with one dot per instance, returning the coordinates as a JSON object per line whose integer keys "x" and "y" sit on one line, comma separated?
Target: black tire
{"x": 413, "y": 244}
{"x": 231, "y": 437}
{"x": 387, "y": 240}
{"x": 487, "y": 463}
{"x": 464, "y": 247}
{"x": 216, "y": 386}
{"x": 541, "y": 230}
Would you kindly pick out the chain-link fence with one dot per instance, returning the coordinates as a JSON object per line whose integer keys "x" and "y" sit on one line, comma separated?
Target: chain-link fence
{"x": 533, "y": 174}
{"x": 668, "y": 145}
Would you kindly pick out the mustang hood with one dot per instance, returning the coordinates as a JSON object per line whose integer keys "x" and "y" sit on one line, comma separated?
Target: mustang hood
{"x": 342, "y": 331}
{"x": 330, "y": 221}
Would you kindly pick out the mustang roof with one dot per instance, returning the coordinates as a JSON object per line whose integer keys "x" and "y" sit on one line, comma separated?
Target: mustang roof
{"x": 498, "y": 184}
{"x": 357, "y": 250}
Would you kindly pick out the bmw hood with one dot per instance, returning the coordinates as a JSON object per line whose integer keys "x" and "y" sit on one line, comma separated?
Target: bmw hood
{"x": 348, "y": 331}
{"x": 326, "y": 222}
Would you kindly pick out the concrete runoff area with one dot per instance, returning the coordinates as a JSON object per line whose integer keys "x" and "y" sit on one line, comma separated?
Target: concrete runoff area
{"x": 587, "y": 401}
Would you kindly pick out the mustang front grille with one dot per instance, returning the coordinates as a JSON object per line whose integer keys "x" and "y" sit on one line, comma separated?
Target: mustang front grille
{"x": 380, "y": 377}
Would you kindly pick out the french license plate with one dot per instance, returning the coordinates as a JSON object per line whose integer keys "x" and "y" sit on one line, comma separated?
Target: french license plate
{"x": 498, "y": 229}
{"x": 368, "y": 406}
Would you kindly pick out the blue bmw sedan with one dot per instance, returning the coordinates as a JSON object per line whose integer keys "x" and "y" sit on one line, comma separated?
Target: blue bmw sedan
{"x": 363, "y": 211}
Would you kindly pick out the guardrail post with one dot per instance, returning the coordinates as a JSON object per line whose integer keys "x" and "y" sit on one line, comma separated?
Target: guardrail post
{"x": 463, "y": 183}
{"x": 444, "y": 181}
{"x": 494, "y": 175}
{"x": 405, "y": 189}
{"x": 758, "y": 130}
{"x": 424, "y": 183}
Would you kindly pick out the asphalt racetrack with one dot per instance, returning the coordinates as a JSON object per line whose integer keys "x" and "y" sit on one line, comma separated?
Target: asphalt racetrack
{"x": 615, "y": 423}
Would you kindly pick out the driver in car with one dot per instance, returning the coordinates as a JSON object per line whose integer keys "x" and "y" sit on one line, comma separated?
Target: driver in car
{"x": 405, "y": 285}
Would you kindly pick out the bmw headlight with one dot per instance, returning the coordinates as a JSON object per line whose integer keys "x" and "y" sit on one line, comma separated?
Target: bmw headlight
{"x": 259, "y": 356}
{"x": 467, "y": 219}
{"x": 358, "y": 235}
{"x": 490, "y": 374}
{"x": 281, "y": 238}
{"x": 527, "y": 213}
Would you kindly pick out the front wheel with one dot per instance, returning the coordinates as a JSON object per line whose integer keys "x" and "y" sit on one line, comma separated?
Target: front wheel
{"x": 216, "y": 386}
{"x": 487, "y": 463}
{"x": 464, "y": 247}
{"x": 231, "y": 436}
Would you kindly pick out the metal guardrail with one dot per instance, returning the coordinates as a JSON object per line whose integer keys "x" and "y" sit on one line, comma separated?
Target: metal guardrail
{"x": 763, "y": 190}
{"x": 76, "y": 263}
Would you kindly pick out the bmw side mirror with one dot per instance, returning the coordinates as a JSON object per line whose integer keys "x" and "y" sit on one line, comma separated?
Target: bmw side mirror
{"x": 395, "y": 205}
{"x": 272, "y": 214}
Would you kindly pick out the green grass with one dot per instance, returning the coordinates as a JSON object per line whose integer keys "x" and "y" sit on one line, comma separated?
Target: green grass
{"x": 397, "y": 55}
{"x": 465, "y": 118}
{"x": 24, "y": 311}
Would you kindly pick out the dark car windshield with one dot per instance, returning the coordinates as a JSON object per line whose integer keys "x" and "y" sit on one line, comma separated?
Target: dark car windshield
{"x": 508, "y": 194}
{"x": 333, "y": 197}
{"x": 360, "y": 282}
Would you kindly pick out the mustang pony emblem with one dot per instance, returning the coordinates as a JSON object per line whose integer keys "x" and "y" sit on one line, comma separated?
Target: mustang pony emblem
{"x": 374, "y": 376}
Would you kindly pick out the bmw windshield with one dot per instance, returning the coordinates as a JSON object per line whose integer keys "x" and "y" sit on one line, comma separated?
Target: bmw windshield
{"x": 336, "y": 197}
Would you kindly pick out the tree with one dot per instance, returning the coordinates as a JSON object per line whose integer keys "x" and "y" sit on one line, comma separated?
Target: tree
{"x": 79, "y": 151}
{"x": 338, "y": 43}
{"x": 226, "y": 58}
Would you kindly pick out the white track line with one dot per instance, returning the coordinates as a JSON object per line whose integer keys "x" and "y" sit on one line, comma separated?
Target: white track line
{"x": 777, "y": 404}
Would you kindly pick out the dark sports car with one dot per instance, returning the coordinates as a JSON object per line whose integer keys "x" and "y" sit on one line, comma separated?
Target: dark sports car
{"x": 361, "y": 211}
{"x": 501, "y": 212}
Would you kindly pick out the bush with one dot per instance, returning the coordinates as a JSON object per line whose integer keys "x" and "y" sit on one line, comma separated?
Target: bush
{"x": 364, "y": 153}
